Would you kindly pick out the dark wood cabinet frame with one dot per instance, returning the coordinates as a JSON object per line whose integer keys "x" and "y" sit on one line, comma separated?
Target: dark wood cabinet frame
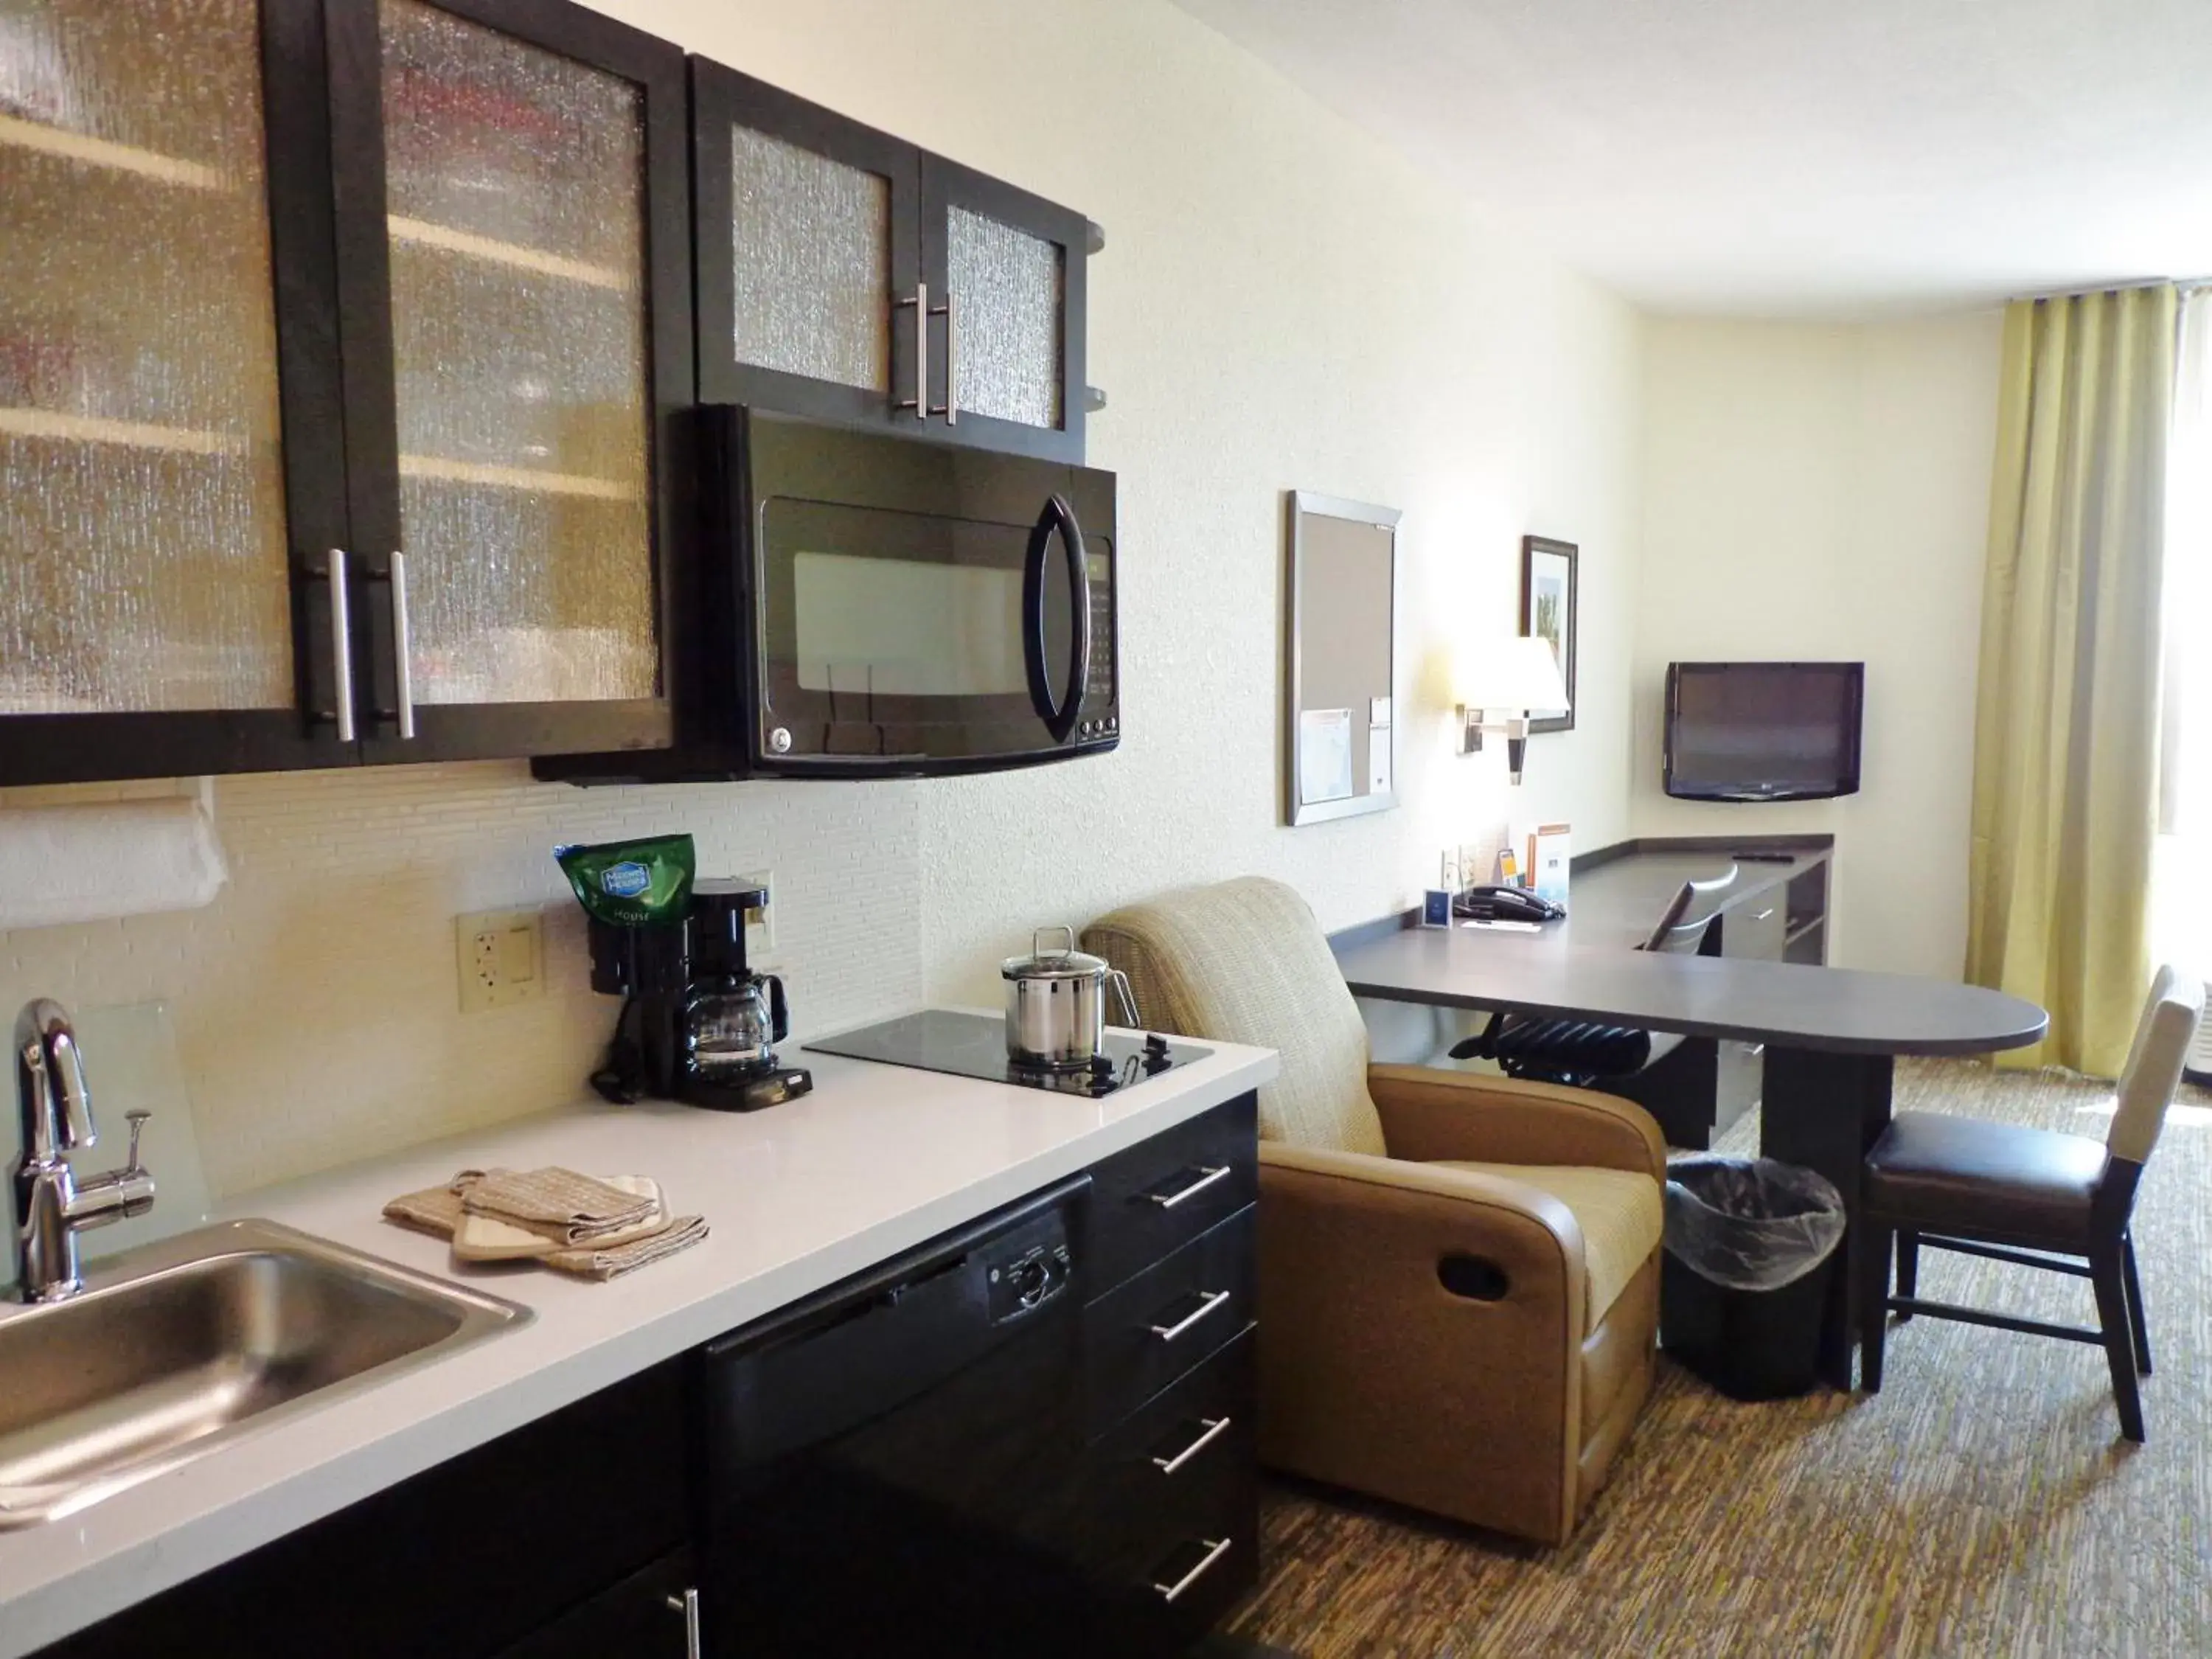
{"x": 924, "y": 188}
{"x": 722, "y": 100}
{"x": 76, "y": 747}
{"x": 321, "y": 78}
{"x": 459, "y": 731}
{"x": 947, "y": 184}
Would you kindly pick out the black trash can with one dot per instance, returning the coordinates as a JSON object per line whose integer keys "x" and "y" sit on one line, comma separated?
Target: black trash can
{"x": 1751, "y": 1245}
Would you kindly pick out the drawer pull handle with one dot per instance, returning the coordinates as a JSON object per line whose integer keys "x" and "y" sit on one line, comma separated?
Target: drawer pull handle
{"x": 1215, "y": 1549}
{"x": 1212, "y": 1299}
{"x": 1214, "y": 1428}
{"x": 1763, "y": 914}
{"x": 688, "y": 1605}
{"x": 1205, "y": 1178}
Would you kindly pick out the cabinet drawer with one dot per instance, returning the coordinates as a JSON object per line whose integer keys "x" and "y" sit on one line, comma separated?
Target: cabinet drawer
{"x": 643, "y": 1617}
{"x": 1165, "y": 1321}
{"x": 1161, "y": 1194}
{"x": 1755, "y": 927}
{"x": 1182, "y": 1587}
{"x": 1741, "y": 1070}
{"x": 1159, "y": 1475}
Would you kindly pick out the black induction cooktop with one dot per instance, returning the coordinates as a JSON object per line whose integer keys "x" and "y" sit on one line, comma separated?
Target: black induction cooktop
{"x": 975, "y": 1045}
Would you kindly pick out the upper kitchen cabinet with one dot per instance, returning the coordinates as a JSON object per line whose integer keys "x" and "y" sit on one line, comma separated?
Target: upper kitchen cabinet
{"x": 1010, "y": 267}
{"x": 511, "y": 191}
{"x": 847, "y": 275}
{"x": 171, "y": 474}
{"x": 341, "y": 346}
{"x": 809, "y": 255}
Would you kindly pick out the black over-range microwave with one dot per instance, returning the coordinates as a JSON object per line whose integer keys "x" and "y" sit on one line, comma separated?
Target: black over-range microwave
{"x": 876, "y": 606}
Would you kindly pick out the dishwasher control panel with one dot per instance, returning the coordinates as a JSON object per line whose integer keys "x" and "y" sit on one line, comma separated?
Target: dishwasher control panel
{"x": 1027, "y": 1267}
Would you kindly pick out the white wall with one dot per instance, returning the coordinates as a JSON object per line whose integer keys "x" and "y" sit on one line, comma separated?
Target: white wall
{"x": 1282, "y": 304}
{"x": 1823, "y": 493}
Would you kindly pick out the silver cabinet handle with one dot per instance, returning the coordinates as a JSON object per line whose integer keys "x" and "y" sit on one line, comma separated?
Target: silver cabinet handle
{"x": 1214, "y": 1427}
{"x": 1213, "y": 1299}
{"x": 688, "y": 1605}
{"x": 1215, "y": 1549}
{"x": 919, "y": 305}
{"x": 950, "y": 407}
{"x": 1206, "y": 1178}
{"x": 1763, "y": 914}
{"x": 342, "y": 643}
{"x": 402, "y": 648}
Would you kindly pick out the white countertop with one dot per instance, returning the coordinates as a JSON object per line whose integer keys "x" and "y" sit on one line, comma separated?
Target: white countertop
{"x": 877, "y": 1159}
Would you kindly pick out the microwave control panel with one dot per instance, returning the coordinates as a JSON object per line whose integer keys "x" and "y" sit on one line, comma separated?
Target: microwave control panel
{"x": 1102, "y": 716}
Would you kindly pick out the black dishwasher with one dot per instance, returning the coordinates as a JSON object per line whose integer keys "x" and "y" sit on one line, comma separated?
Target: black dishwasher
{"x": 890, "y": 1466}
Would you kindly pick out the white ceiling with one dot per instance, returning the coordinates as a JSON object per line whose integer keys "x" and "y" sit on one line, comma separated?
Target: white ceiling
{"x": 1790, "y": 157}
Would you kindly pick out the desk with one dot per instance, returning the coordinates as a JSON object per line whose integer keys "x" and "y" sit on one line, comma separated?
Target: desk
{"x": 1830, "y": 1034}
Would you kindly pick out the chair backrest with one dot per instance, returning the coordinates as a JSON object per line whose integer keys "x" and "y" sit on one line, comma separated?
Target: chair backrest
{"x": 1245, "y": 961}
{"x": 2163, "y": 1034}
{"x": 1689, "y": 913}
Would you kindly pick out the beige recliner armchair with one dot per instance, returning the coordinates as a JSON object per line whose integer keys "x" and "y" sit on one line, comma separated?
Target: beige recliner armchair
{"x": 1459, "y": 1274}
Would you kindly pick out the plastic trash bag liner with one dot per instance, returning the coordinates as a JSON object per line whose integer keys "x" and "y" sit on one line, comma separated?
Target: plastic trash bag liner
{"x": 1751, "y": 1224}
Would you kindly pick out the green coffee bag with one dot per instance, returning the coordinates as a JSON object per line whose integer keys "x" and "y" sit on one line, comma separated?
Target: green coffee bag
{"x": 633, "y": 883}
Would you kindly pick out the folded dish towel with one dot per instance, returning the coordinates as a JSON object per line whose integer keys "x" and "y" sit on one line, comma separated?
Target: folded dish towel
{"x": 612, "y": 1261}
{"x": 568, "y": 1208}
{"x": 433, "y": 1210}
{"x": 446, "y": 1212}
{"x": 488, "y": 1238}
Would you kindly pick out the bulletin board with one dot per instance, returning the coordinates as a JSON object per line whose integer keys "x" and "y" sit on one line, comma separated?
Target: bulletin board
{"x": 1339, "y": 721}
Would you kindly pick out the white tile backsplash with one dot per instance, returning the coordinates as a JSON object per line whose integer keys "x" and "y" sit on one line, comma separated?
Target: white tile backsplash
{"x": 314, "y": 1001}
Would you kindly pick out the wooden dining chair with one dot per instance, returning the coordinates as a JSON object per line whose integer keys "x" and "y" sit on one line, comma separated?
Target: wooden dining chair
{"x": 2033, "y": 1197}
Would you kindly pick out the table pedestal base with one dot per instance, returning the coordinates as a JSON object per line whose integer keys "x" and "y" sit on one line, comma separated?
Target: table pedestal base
{"x": 1825, "y": 1112}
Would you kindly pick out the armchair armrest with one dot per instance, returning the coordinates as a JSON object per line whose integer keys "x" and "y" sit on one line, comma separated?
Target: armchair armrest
{"x": 1409, "y": 1217}
{"x": 1429, "y": 1114}
{"x": 1384, "y": 1372}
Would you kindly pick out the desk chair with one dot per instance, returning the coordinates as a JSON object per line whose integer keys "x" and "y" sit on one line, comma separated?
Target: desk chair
{"x": 2001, "y": 1191}
{"x": 1459, "y": 1275}
{"x": 1578, "y": 1052}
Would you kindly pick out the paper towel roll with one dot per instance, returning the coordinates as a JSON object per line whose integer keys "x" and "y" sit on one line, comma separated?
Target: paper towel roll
{"x": 93, "y": 862}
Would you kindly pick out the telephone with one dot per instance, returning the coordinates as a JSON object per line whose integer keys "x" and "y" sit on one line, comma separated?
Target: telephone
{"x": 1505, "y": 904}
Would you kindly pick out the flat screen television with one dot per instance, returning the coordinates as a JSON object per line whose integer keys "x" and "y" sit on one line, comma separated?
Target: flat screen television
{"x": 1763, "y": 731}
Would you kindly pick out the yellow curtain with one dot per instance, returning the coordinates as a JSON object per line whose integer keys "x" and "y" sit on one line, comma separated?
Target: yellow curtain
{"x": 2067, "y": 718}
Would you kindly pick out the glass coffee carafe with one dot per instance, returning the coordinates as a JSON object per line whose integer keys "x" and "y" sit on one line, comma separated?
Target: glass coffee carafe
{"x": 732, "y": 1017}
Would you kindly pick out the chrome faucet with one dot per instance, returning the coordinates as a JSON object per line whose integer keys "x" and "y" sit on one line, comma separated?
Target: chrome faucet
{"x": 55, "y": 1109}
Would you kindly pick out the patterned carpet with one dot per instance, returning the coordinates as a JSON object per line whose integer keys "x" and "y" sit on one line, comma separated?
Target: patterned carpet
{"x": 1982, "y": 1505}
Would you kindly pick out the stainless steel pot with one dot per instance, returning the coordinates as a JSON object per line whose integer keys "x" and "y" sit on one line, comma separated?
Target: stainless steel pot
{"x": 1056, "y": 1004}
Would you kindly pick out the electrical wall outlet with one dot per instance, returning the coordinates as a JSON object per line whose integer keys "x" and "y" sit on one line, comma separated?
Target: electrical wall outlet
{"x": 759, "y": 925}
{"x": 501, "y": 958}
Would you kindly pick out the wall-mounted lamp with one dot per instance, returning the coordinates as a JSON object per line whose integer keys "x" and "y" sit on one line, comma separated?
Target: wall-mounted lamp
{"x": 1503, "y": 679}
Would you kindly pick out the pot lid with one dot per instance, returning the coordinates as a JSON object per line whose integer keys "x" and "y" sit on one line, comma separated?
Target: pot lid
{"x": 1065, "y": 962}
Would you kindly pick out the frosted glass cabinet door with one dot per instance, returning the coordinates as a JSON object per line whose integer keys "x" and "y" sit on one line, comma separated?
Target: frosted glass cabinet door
{"x": 1011, "y": 268}
{"x": 808, "y": 256}
{"x": 516, "y": 371}
{"x": 146, "y": 571}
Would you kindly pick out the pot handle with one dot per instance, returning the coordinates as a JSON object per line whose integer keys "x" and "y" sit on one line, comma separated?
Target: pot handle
{"x": 1120, "y": 981}
{"x": 1038, "y": 949}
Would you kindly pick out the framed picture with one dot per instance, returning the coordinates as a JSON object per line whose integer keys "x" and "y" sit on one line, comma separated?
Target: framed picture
{"x": 1547, "y": 613}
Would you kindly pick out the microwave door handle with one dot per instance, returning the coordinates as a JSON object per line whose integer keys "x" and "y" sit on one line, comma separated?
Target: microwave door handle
{"x": 1059, "y": 714}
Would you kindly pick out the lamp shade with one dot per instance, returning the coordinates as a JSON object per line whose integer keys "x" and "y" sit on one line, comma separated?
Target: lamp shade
{"x": 1509, "y": 674}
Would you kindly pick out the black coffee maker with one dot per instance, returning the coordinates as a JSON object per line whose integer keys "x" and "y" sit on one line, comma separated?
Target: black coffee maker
{"x": 697, "y": 1025}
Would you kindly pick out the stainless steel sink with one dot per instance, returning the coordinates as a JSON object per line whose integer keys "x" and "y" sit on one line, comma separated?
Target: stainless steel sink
{"x": 185, "y": 1345}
